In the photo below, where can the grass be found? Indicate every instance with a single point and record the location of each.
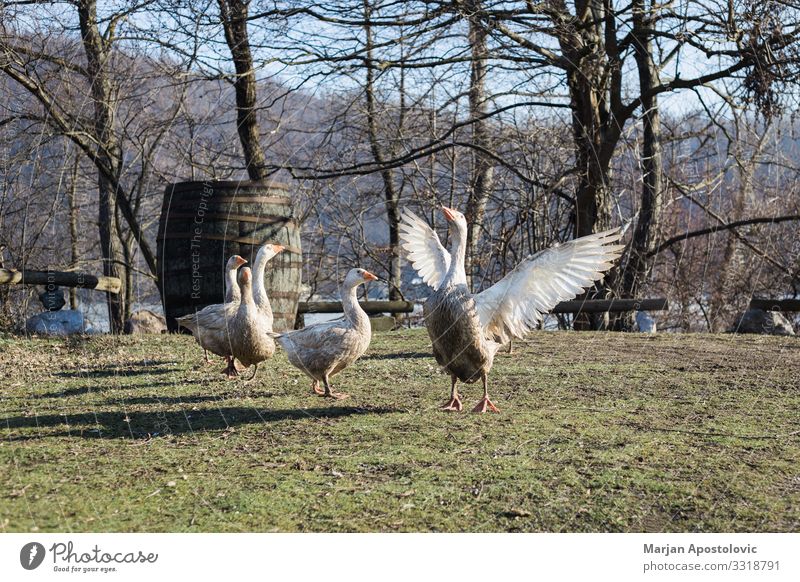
(598, 432)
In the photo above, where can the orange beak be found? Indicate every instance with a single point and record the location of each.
(239, 261)
(448, 213)
(245, 275)
(278, 248)
(369, 276)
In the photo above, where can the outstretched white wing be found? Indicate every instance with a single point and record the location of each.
(426, 253)
(514, 305)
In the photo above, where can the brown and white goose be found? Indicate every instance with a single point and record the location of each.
(210, 325)
(325, 349)
(207, 325)
(250, 329)
(466, 329)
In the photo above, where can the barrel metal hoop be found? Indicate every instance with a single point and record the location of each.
(240, 199)
(228, 185)
(222, 237)
(265, 219)
(294, 265)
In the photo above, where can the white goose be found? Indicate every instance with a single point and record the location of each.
(325, 349)
(467, 329)
(264, 255)
(232, 291)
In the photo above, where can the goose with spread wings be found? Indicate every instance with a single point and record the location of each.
(467, 329)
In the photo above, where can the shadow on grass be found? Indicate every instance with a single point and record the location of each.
(398, 356)
(122, 372)
(81, 390)
(192, 399)
(146, 424)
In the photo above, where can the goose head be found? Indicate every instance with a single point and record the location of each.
(356, 277)
(456, 219)
(246, 281)
(267, 251)
(235, 262)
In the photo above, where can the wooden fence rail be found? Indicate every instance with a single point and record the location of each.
(576, 306)
(612, 305)
(60, 278)
(370, 307)
(775, 304)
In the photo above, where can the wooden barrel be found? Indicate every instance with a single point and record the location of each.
(203, 223)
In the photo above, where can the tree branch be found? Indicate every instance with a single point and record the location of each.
(725, 226)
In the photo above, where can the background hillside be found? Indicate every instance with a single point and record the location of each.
(673, 130)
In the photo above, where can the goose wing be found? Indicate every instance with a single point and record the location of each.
(425, 251)
(514, 305)
(313, 336)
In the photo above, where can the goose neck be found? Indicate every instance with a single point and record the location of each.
(456, 275)
(258, 277)
(352, 310)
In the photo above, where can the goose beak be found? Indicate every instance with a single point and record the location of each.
(239, 261)
(278, 248)
(449, 213)
(369, 276)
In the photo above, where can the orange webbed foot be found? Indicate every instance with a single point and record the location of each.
(485, 405)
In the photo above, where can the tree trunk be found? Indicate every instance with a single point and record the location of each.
(102, 94)
(126, 245)
(482, 178)
(391, 195)
(648, 223)
(721, 309)
(111, 256)
(73, 230)
(233, 15)
(719, 304)
(593, 130)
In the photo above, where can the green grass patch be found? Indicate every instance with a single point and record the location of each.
(598, 432)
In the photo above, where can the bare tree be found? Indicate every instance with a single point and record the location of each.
(233, 15)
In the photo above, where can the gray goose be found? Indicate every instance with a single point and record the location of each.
(467, 329)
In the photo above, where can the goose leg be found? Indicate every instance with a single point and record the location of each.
(454, 405)
(485, 404)
(330, 393)
(230, 371)
(205, 353)
(316, 389)
(255, 370)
